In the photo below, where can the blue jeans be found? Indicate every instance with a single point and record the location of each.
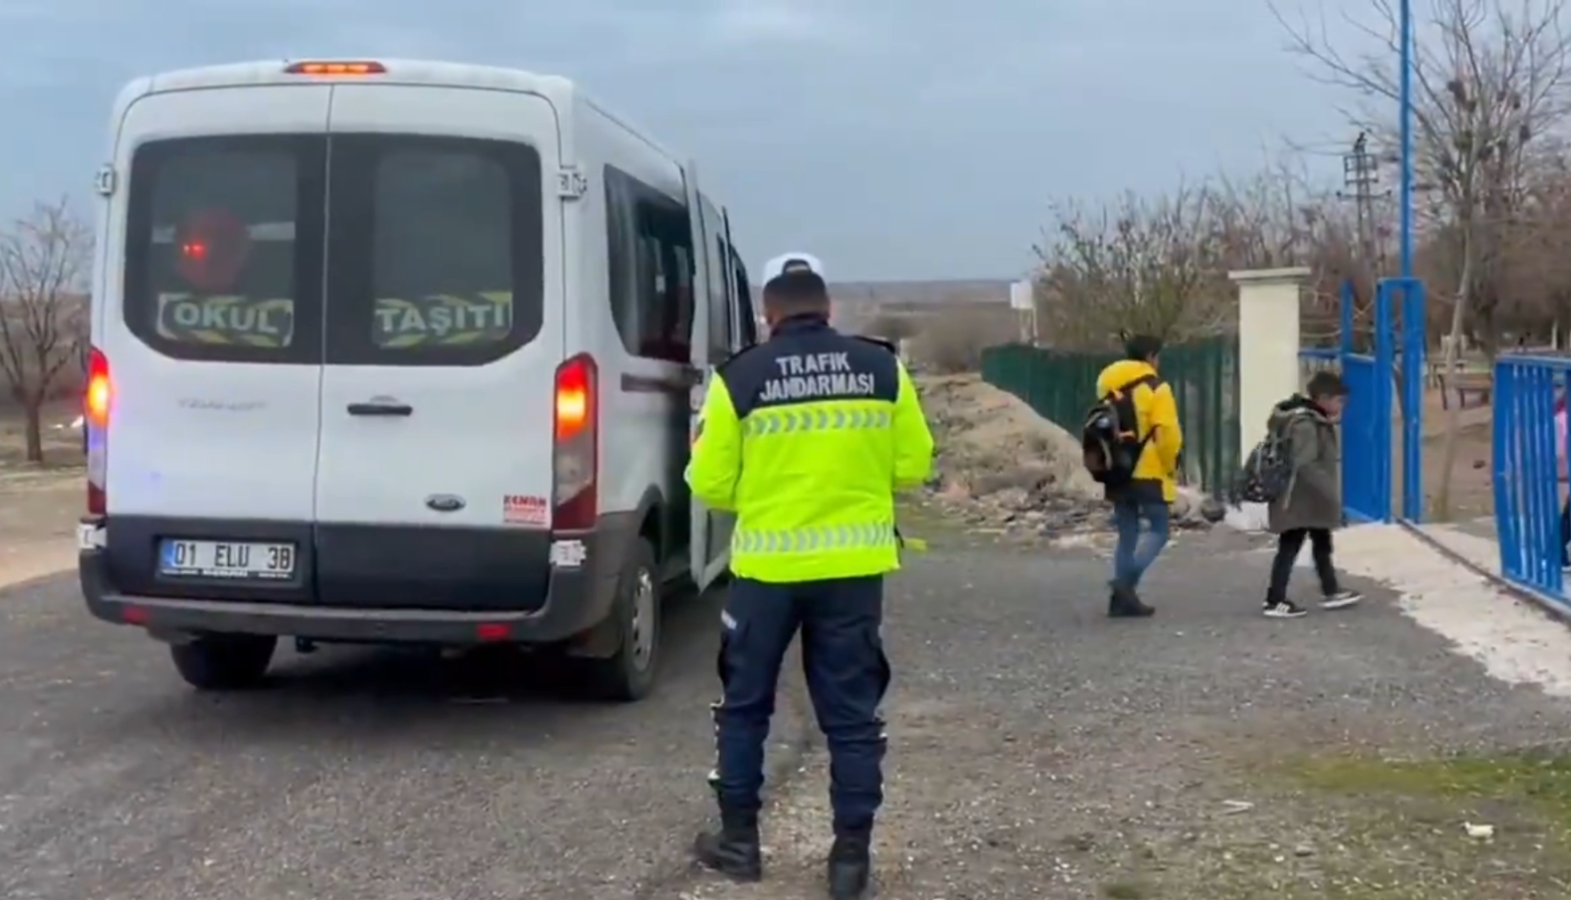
(1134, 556)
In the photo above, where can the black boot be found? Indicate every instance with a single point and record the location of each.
(732, 850)
(1124, 603)
(850, 864)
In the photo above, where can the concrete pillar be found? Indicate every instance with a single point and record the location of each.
(1267, 346)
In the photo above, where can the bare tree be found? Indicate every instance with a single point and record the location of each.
(45, 261)
(1489, 77)
(954, 338)
(892, 326)
(1150, 265)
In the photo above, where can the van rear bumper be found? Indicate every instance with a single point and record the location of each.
(578, 599)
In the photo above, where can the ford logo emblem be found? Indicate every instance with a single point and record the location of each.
(445, 502)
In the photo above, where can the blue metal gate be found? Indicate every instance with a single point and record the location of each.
(1366, 426)
(1366, 419)
(1415, 334)
(1526, 471)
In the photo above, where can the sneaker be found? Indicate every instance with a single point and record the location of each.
(1340, 600)
(1284, 609)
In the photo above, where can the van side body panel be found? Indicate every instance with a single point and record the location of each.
(641, 396)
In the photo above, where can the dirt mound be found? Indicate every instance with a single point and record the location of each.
(990, 440)
(1004, 467)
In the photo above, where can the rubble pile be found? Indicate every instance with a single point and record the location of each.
(1000, 466)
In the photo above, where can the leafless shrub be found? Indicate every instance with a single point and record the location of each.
(45, 261)
(892, 326)
(953, 340)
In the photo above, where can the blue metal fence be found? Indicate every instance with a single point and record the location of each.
(1526, 472)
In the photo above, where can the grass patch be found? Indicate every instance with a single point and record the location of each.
(1536, 779)
(1126, 890)
(1400, 831)
(1362, 827)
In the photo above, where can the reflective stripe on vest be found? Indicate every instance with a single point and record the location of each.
(814, 538)
(795, 420)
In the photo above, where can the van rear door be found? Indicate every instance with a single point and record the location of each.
(444, 327)
(213, 341)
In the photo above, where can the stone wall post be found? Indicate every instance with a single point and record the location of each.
(1268, 305)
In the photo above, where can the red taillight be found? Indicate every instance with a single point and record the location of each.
(575, 454)
(96, 403)
(574, 389)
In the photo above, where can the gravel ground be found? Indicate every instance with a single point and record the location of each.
(359, 774)
(1039, 750)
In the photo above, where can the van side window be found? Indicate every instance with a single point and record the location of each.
(223, 254)
(720, 301)
(650, 268)
(746, 317)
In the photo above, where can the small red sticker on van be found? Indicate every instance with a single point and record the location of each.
(519, 509)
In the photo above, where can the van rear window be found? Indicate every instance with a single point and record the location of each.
(445, 266)
(430, 249)
(223, 240)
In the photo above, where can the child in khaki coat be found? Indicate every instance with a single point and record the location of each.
(1312, 505)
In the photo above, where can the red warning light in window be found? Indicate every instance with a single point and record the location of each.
(213, 247)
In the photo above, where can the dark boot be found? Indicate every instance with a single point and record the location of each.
(850, 864)
(732, 850)
(1125, 604)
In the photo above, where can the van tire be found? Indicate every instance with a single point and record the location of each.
(628, 674)
(224, 662)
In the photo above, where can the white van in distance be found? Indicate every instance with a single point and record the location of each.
(398, 352)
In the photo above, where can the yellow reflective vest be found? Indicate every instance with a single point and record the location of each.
(806, 438)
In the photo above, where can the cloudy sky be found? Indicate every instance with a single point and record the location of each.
(909, 139)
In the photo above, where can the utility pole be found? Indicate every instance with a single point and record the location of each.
(1360, 175)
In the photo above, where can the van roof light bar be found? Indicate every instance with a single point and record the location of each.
(336, 68)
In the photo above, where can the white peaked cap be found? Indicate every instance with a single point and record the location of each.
(792, 262)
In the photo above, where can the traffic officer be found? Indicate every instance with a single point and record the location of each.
(806, 437)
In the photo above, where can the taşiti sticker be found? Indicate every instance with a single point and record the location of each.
(519, 509)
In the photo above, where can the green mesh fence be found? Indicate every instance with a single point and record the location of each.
(1060, 386)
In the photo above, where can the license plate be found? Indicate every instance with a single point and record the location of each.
(233, 560)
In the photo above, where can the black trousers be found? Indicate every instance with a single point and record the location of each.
(1288, 544)
(847, 675)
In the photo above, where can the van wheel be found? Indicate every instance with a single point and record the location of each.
(629, 673)
(224, 662)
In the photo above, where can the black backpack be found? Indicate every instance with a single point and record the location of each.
(1110, 439)
(1267, 474)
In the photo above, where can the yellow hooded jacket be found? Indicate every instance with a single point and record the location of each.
(1156, 471)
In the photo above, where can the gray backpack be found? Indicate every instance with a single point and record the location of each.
(1267, 473)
